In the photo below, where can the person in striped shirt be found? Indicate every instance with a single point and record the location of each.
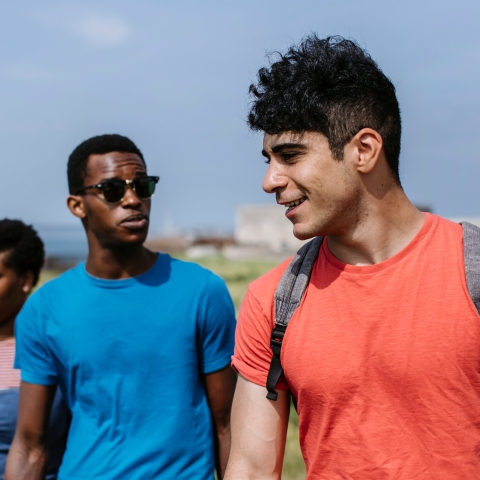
(21, 259)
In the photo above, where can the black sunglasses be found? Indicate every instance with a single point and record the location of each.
(114, 190)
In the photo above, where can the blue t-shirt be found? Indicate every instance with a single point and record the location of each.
(129, 356)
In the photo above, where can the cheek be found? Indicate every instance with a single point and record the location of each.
(10, 291)
(310, 179)
(100, 215)
(5, 286)
(341, 183)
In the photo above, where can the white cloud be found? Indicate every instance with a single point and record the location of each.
(103, 31)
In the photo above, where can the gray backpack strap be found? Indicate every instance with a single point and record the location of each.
(471, 252)
(288, 295)
(296, 277)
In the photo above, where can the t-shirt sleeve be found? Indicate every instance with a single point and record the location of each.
(32, 355)
(217, 328)
(253, 354)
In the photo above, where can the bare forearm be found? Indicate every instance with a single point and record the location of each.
(27, 458)
(25, 463)
(222, 450)
(220, 387)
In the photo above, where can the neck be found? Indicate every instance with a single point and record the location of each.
(115, 263)
(382, 227)
(6, 329)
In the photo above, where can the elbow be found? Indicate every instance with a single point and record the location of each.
(35, 443)
(31, 446)
(26, 460)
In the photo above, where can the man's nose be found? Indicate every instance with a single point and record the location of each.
(130, 198)
(274, 179)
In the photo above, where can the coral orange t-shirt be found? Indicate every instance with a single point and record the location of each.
(384, 361)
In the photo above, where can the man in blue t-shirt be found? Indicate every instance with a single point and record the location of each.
(139, 343)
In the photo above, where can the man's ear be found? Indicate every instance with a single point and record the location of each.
(27, 283)
(367, 145)
(76, 205)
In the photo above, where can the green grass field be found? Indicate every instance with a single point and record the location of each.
(238, 274)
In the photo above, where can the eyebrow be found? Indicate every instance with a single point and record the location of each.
(136, 175)
(284, 146)
(107, 179)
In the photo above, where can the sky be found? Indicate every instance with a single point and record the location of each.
(174, 77)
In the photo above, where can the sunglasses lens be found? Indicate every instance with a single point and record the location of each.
(113, 191)
(145, 187)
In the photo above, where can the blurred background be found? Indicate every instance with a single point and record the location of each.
(174, 77)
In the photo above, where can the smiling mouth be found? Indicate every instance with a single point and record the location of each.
(291, 205)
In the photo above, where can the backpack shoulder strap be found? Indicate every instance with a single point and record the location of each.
(471, 252)
(288, 295)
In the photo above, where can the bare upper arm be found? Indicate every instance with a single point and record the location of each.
(259, 428)
(34, 408)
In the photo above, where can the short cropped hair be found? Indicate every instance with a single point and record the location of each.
(331, 86)
(99, 145)
(26, 252)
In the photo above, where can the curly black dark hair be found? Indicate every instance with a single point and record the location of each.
(331, 86)
(26, 248)
(99, 145)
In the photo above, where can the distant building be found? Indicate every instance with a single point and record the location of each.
(265, 226)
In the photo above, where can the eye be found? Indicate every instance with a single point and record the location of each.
(287, 156)
(267, 161)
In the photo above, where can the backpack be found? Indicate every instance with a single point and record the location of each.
(292, 286)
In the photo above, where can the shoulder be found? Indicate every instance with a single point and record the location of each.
(445, 236)
(448, 226)
(44, 303)
(186, 266)
(259, 299)
(192, 272)
(53, 286)
(201, 282)
(61, 281)
(264, 287)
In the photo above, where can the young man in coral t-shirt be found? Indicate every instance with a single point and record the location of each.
(383, 353)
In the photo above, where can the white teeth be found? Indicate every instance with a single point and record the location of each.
(295, 203)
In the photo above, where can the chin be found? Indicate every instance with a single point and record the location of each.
(137, 240)
(134, 239)
(303, 233)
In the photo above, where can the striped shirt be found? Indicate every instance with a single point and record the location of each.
(9, 377)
